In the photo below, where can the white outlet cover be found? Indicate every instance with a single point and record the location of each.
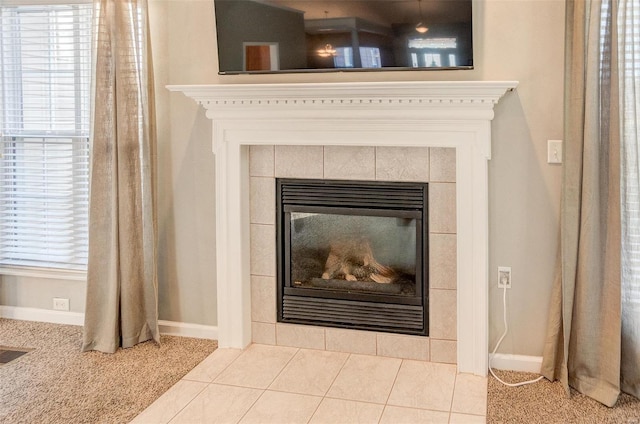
(502, 270)
(60, 304)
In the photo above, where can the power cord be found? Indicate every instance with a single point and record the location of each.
(506, 328)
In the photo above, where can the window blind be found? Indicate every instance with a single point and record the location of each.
(45, 79)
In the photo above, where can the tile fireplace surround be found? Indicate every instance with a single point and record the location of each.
(313, 123)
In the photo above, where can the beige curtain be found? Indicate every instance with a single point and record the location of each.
(121, 307)
(584, 339)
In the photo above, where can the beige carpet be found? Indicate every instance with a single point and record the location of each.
(56, 383)
(546, 403)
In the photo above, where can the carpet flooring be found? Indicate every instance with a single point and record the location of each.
(56, 383)
(546, 403)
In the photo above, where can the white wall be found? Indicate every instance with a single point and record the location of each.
(513, 40)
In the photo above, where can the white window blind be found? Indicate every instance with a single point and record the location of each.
(45, 79)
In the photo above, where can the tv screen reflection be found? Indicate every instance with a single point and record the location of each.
(268, 36)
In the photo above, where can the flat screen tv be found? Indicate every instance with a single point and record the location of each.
(270, 36)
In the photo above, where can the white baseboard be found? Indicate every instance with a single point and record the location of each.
(171, 328)
(185, 329)
(504, 361)
(42, 315)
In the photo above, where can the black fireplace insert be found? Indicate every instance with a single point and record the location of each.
(353, 254)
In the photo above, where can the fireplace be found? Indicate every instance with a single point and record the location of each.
(304, 117)
(353, 254)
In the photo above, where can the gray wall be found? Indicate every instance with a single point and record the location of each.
(247, 21)
(513, 40)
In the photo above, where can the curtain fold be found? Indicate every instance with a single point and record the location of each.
(121, 307)
(585, 338)
(584, 324)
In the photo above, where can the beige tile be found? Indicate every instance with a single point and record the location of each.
(351, 341)
(444, 351)
(350, 162)
(365, 378)
(218, 404)
(170, 403)
(443, 308)
(443, 164)
(299, 161)
(397, 414)
(263, 250)
(306, 336)
(263, 333)
(338, 411)
(404, 347)
(263, 298)
(262, 201)
(470, 395)
(261, 161)
(443, 261)
(402, 164)
(280, 408)
(213, 365)
(442, 208)
(424, 385)
(467, 419)
(310, 372)
(257, 366)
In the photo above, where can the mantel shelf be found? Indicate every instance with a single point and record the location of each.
(478, 95)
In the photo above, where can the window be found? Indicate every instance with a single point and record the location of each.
(628, 38)
(343, 57)
(432, 59)
(369, 57)
(433, 52)
(45, 78)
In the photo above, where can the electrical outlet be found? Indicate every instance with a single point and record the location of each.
(60, 304)
(504, 277)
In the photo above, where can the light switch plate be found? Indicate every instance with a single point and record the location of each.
(554, 151)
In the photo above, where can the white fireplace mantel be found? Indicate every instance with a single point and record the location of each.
(430, 114)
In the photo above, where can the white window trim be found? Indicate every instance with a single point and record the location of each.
(9, 3)
(48, 273)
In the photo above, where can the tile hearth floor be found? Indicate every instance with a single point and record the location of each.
(273, 384)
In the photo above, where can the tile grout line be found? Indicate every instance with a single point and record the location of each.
(207, 384)
(252, 405)
(188, 403)
(267, 388)
(285, 365)
(395, 379)
(429, 177)
(375, 163)
(274, 161)
(330, 385)
(337, 374)
(453, 393)
(218, 374)
(386, 403)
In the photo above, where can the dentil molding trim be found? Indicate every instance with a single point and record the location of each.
(399, 96)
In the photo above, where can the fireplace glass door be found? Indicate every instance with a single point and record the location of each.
(353, 254)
